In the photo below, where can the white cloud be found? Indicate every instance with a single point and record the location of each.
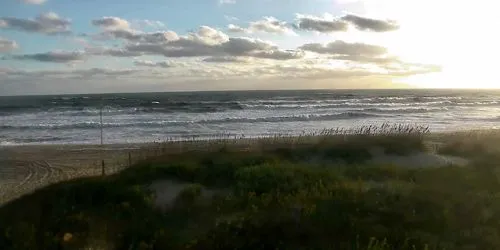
(232, 28)
(231, 18)
(206, 41)
(149, 23)
(162, 64)
(47, 23)
(227, 1)
(271, 25)
(110, 22)
(7, 45)
(33, 1)
(266, 25)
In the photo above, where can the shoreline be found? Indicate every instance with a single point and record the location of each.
(140, 145)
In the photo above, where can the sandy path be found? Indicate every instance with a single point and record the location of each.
(27, 168)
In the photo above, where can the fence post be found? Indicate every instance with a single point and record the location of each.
(103, 168)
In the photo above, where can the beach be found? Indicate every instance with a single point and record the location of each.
(24, 169)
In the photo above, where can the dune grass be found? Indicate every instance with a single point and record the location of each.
(309, 192)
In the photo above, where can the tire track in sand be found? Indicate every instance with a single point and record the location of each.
(19, 178)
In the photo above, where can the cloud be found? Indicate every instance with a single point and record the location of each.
(33, 1)
(137, 36)
(227, 1)
(243, 46)
(47, 23)
(266, 25)
(226, 59)
(104, 51)
(329, 24)
(209, 42)
(369, 24)
(231, 18)
(149, 23)
(270, 25)
(69, 74)
(345, 49)
(110, 22)
(163, 64)
(237, 29)
(208, 76)
(279, 54)
(326, 24)
(210, 35)
(375, 57)
(54, 57)
(7, 45)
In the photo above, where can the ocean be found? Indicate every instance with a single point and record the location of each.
(148, 117)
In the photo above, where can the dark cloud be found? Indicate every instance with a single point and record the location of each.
(47, 23)
(370, 24)
(225, 59)
(79, 73)
(7, 45)
(243, 46)
(104, 51)
(55, 57)
(347, 49)
(136, 36)
(279, 54)
(320, 24)
(329, 24)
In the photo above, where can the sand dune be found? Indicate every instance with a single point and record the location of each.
(24, 169)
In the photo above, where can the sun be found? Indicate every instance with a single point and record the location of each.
(451, 34)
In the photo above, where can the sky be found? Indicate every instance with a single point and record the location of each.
(97, 46)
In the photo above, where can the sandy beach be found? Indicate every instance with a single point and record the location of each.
(24, 169)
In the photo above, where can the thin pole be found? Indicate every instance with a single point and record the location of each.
(103, 171)
(100, 115)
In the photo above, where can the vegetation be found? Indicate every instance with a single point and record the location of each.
(315, 192)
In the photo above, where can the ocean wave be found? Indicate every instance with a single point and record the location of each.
(38, 140)
(117, 106)
(163, 123)
(403, 110)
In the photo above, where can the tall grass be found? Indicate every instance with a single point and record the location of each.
(280, 192)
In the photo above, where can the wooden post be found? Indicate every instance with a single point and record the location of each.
(103, 168)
